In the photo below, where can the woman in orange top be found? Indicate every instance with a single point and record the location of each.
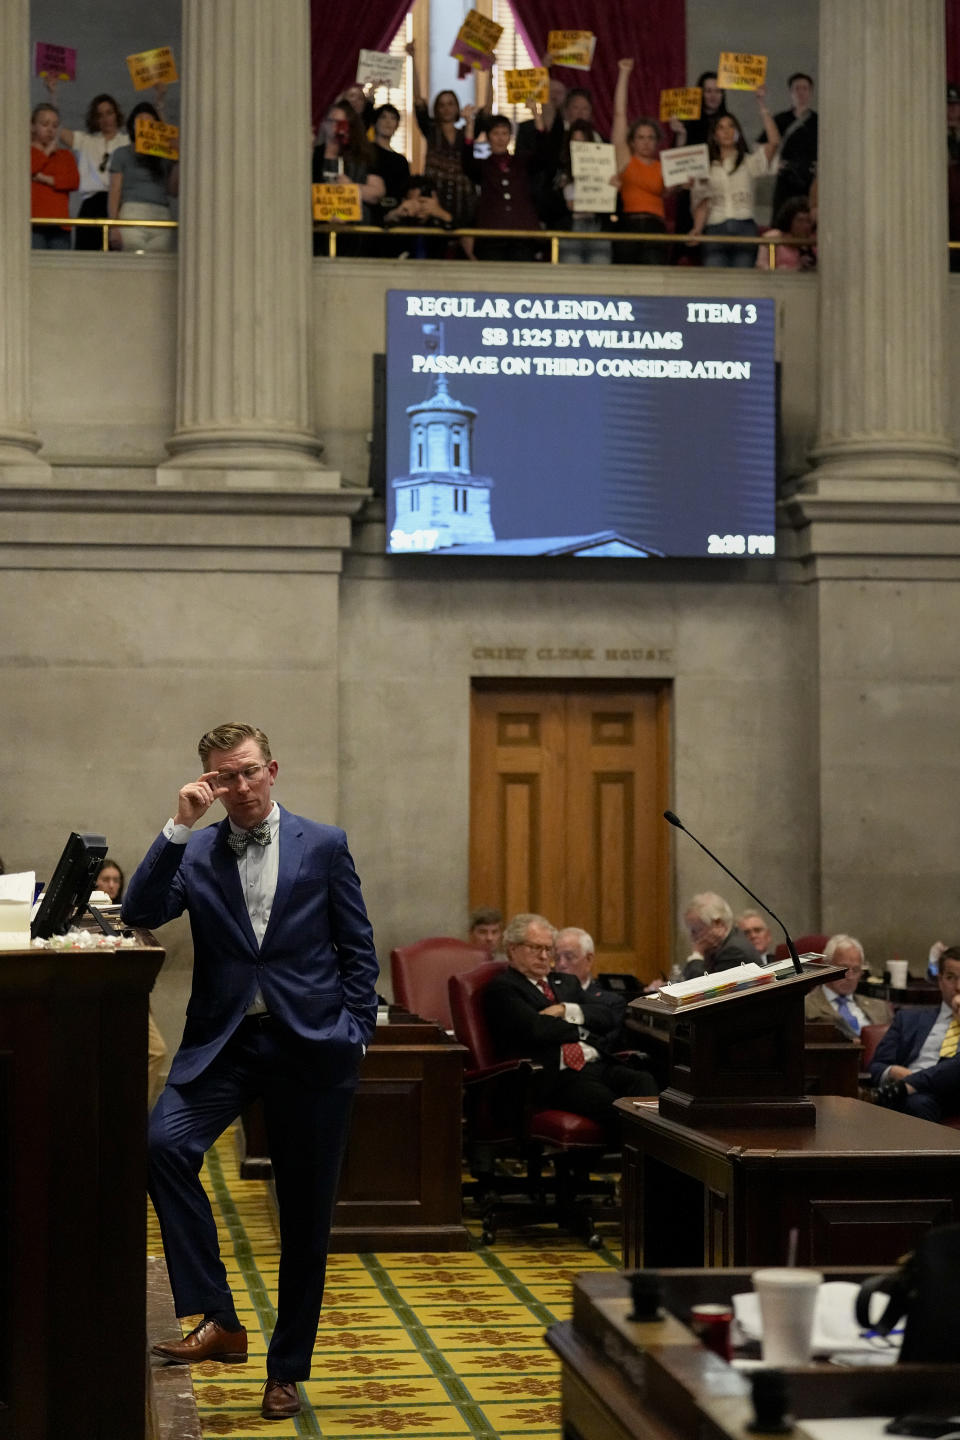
(640, 177)
(53, 174)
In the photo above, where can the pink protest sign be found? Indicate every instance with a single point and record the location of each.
(58, 62)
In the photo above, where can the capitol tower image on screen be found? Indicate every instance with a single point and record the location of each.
(441, 493)
(608, 427)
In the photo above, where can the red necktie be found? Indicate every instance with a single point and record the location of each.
(573, 1056)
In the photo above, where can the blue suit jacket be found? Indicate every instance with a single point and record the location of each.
(904, 1040)
(317, 968)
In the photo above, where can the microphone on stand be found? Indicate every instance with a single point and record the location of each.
(675, 820)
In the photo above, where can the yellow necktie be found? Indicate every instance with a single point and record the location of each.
(950, 1040)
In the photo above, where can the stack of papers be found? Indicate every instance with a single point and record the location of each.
(16, 903)
(723, 982)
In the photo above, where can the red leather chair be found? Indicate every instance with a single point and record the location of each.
(500, 1119)
(420, 973)
(870, 1037)
(804, 944)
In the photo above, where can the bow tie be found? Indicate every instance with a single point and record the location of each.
(238, 840)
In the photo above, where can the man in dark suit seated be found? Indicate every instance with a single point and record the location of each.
(916, 1067)
(537, 1013)
(838, 1002)
(574, 956)
(717, 942)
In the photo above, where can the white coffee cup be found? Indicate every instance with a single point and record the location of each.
(899, 973)
(788, 1298)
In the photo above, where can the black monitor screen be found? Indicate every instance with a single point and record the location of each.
(68, 893)
(525, 424)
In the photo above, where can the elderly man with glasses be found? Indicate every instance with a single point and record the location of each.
(545, 1016)
(717, 942)
(838, 1001)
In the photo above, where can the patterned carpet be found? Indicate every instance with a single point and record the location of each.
(444, 1345)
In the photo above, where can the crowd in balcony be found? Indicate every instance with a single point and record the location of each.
(480, 172)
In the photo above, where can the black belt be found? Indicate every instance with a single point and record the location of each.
(261, 1019)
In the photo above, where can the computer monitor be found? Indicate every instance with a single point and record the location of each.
(68, 892)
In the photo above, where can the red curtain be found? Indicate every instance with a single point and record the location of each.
(953, 41)
(653, 32)
(338, 32)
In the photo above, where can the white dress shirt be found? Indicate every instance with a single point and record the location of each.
(258, 866)
(860, 1014)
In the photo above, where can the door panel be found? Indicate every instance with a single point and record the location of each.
(568, 786)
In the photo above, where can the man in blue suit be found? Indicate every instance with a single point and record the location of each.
(916, 1066)
(282, 1006)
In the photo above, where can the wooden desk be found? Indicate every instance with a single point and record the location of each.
(915, 992)
(831, 1061)
(859, 1187)
(626, 1381)
(73, 1176)
(401, 1183)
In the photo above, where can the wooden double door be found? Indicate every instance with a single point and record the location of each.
(567, 791)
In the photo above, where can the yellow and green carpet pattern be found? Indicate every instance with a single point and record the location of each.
(445, 1345)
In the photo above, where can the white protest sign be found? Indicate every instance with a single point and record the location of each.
(377, 68)
(593, 165)
(687, 162)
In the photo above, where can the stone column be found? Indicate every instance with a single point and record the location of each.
(884, 367)
(243, 415)
(18, 442)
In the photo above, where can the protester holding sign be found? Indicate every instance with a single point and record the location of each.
(640, 176)
(564, 213)
(723, 205)
(506, 196)
(343, 152)
(140, 189)
(53, 175)
(697, 132)
(446, 152)
(93, 148)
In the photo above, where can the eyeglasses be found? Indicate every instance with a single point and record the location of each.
(854, 969)
(249, 773)
(568, 954)
(537, 949)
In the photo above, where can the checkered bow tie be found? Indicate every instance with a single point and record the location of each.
(238, 840)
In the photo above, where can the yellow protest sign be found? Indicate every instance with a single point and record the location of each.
(682, 104)
(573, 48)
(527, 87)
(152, 67)
(476, 40)
(155, 138)
(741, 72)
(336, 203)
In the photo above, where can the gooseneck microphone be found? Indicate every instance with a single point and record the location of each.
(675, 820)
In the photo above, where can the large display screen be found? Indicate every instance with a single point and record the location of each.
(528, 424)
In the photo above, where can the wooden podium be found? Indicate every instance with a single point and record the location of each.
(73, 1215)
(738, 1059)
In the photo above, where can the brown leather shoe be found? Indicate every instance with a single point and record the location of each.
(280, 1399)
(207, 1341)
